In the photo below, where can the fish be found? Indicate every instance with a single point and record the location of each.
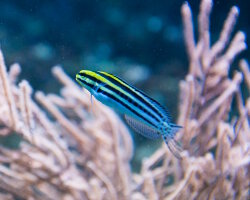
(142, 113)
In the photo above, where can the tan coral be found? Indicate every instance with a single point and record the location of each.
(217, 157)
(44, 167)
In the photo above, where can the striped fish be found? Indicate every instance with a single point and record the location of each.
(142, 113)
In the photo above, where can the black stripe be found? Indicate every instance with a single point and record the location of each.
(127, 89)
(117, 100)
(122, 96)
(86, 83)
(126, 106)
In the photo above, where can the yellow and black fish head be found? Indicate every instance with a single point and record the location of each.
(85, 79)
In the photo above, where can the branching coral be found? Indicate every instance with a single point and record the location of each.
(72, 149)
(216, 163)
(208, 88)
(74, 156)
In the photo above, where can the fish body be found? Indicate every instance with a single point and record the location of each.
(142, 113)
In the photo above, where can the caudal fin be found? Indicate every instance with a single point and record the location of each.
(174, 129)
(172, 144)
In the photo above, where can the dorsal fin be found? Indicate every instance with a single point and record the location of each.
(162, 109)
(142, 128)
(158, 106)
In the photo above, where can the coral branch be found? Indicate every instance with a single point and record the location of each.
(8, 94)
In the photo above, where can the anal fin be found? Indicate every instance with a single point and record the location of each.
(142, 128)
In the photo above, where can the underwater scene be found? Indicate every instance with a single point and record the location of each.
(124, 100)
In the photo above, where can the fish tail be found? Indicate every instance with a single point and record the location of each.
(174, 129)
(172, 144)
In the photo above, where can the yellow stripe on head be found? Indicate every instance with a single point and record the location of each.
(117, 79)
(107, 82)
(82, 71)
(104, 80)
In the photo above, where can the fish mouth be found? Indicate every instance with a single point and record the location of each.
(78, 78)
